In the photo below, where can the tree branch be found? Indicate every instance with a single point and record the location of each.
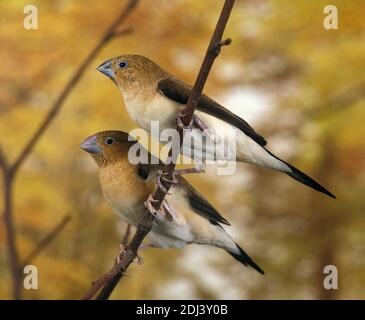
(110, 286)
(56, 106)
(52, 234)
(3, 160)
(11, 170)
(144, 227)
(10, 231)
(120, 33)
(340, 101)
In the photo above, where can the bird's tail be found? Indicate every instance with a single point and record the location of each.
(302, 177)
(244, 258)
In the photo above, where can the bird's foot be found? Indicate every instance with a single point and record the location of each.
(143, 246)
(169, 211)
(210, 133)
(149, 205)
(162, 176)
(122, 249)
(199, 168)
(199, 123)
(146, 246)
(181, 124)
(139, 258)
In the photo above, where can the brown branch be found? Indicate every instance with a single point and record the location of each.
(11, 170)
(3, 160)
(110, 286)
(127, 257)
(10, 231)
(56, 106)
(127, 234)
(52, 234)
(158, 195)
(340, 101)
(120, 33)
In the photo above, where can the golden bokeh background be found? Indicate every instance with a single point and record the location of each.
(298, 84)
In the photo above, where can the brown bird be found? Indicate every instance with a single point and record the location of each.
(185, 217)
(151, 93)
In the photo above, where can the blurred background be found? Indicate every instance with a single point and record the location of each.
(298, 84)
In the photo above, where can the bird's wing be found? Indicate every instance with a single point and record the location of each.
(199, 204)
(179, 92)
(148, 171)
(196, 201)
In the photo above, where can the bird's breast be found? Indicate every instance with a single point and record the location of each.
(124, 191)
(155, 107)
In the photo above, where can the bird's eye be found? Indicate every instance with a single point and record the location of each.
(109, 141)
(123, 64)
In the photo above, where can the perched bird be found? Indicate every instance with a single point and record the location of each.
(151, 93)
(185, 216)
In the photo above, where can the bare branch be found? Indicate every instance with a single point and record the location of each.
(10, 239)
(127, 234)
(158, 195)
(120, 33)
(340, 101)
(127, 258)
(52, 234)
(56, 106)
(110, 286)
(3, 160)
(11, 170)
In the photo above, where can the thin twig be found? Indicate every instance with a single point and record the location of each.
(158, 195)
(55, 108)
(52, 234)
(3, 160)
(127, 257)
(10, 231)
(11, 170)
(122, 32)
(110, 286)
(340, 101)
(127, 234)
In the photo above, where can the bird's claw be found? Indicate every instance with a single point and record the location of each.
(196, 169)
(148, 204)
(121, 252)
(139, 259)
(162, 187)
(162, 176)
(180, 123)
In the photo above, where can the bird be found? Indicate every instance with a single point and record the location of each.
(152, 94)
(185, 216)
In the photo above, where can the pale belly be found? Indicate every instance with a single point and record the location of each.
(225, 142)
(159, 113)
(158, 118)
(164, 234)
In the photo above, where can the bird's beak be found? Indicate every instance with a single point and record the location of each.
(106, 68)
(90, 145)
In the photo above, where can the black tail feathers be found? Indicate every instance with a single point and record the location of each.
(303, 178)
(244, 258)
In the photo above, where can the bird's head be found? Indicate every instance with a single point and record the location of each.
(108, 147)
(132, 72)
